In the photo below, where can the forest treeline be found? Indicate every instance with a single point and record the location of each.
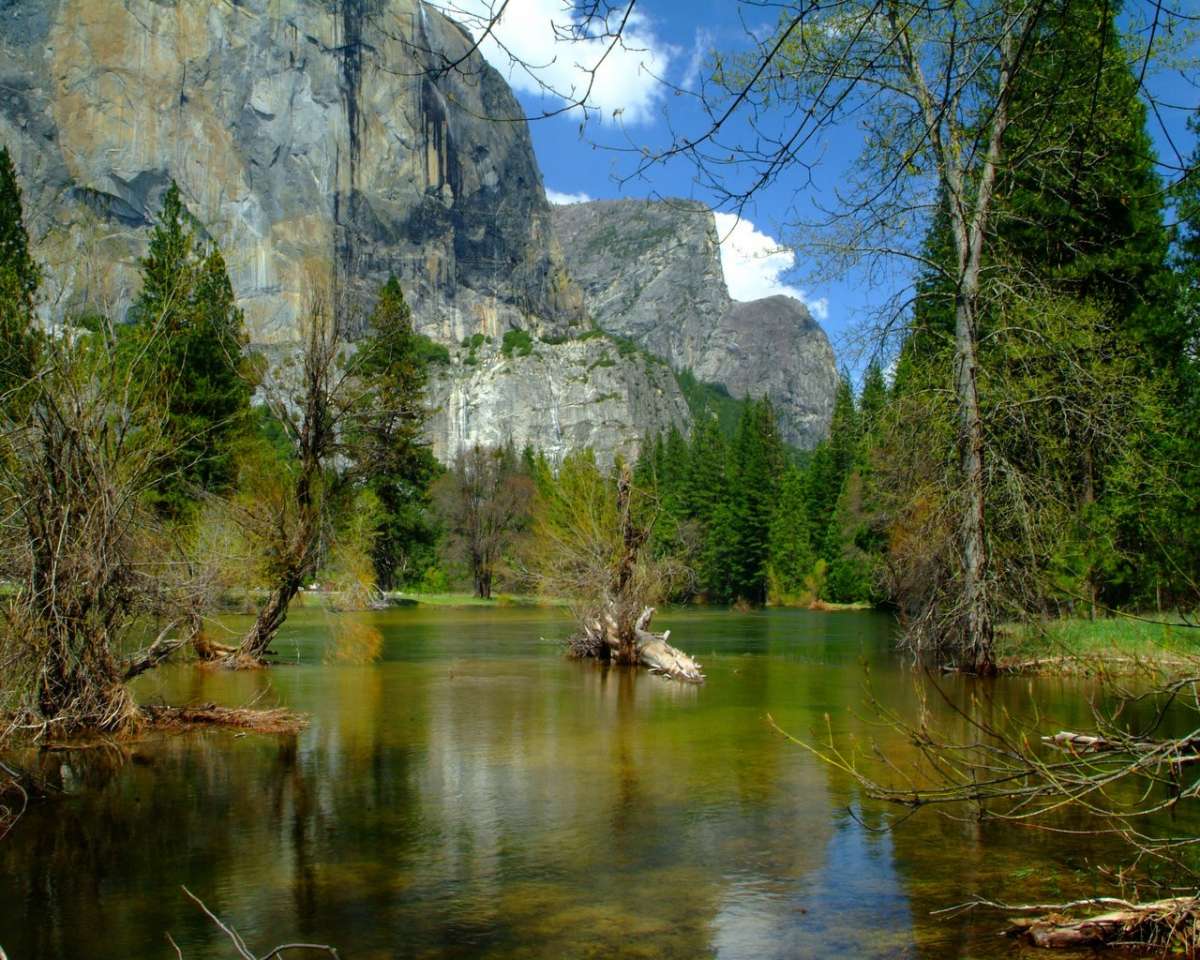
(154, 465)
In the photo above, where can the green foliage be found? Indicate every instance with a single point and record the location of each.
(431, 351)
(19, 279)
(1085, 216)
(186, 346)
(710, 401)
(791, 548)
(390, 455)
(516, 342)
(473, 343)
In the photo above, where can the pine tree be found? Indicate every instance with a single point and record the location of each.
(1080, 207)
(188, 341)
(756, 464)
(705, 485)
(19, 279)
(387, 443)
(871, 402)
(791, 555)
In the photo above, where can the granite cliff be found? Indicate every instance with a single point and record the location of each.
(304, 133)
(651, 271)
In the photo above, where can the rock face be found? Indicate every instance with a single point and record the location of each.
(651, 271)
(305, 135)
(301, 132)
(557, 397)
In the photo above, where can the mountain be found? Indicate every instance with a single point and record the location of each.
(651, 271)
(302, 134)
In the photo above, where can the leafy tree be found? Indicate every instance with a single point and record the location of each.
(484, 500)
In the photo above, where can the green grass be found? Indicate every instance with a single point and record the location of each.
(1107, 637)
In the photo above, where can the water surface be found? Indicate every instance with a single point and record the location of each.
(464, 791)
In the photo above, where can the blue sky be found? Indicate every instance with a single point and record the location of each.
(670, 40)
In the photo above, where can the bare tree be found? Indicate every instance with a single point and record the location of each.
(332, 398)
(590, 534)
(311, 412)
(484, 501)
(79, 454)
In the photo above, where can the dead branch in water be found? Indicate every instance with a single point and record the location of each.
(1173, 922)
(279, 720)
(650, 650)
(240, 945)
(10, 784)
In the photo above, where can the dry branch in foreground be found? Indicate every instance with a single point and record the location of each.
(243, 951)
(1173, 922)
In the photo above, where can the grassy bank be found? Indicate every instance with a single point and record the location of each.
(1115, 639)
(470, 600)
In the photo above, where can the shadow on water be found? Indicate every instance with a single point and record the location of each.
(463, 790)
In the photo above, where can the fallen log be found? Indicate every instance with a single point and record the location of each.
(601, 638)
(1174, 923)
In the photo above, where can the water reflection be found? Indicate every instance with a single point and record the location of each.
(464, 791)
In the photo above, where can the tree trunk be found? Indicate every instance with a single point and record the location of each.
(604, 637)
(254, 648)
(976, 624)
(84, 689)
(1165, 924)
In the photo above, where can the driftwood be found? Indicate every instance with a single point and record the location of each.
(278, 720)
(602, 638)
(1172, 922)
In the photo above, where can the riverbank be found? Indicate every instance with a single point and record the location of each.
(402, 598)
(1157, 642)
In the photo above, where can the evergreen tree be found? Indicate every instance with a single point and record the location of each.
(1080, 207)
(19, 279)
(706, 504)
(188, 343)
(871, 401)
(828, 469)
(705, 485)
(792, 555)
(756, 464)
(387, 443)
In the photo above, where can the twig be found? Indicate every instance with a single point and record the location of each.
(240, 944)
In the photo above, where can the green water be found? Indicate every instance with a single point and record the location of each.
(464, 791)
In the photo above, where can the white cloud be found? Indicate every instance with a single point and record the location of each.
(561, 199)
(539, 40)
(754, 262)
(701, 46)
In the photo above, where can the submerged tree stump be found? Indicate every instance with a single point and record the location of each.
(603, 639)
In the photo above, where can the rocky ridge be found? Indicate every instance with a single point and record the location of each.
(651, 271)
(305, 134)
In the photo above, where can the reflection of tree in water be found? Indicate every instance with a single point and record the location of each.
(945, 857)
(104, 864)
(624, 727)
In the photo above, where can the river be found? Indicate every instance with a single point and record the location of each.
(464, 791)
